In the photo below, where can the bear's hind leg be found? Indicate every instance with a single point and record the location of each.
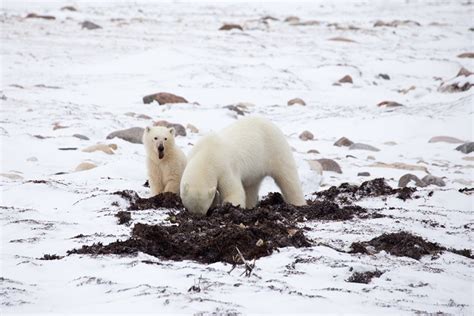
(232, 191)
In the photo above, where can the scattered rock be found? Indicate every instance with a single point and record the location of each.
(445, 139)
(269, 17)
(132, 135)
(80, 136)
(85, 166)
(192, 128)
(228, 27)
(90, 25)
(361, 146)
(396, 23)
(58, 125)
(343, 142)
(390, 143)
(3, 97)
(384, 76)
(399, 165)
(370, 158)
(467, 191)
(306, 135)
(407, 178)
(429, 180)
(345, 79)
(400, 244)
(240, 109)
(296, 101)
(51, 257)
(67, 148)
(108, 149)
(363, 174)
(364, 277)
(144, 117)
(405, 91)
(131, 114)
(11, 176)
(462, 82)
(32, 159)
(178, 128)
(466, 55)
(464, 72)
(164, 98)
(313, 151)
(466, 148)
(37, 16)
(316, 166)
(329, 165)
(341, 39)
(68, 8)
(292, 19)
(389, 104)
(469, 158)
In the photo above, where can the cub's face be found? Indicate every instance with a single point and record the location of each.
(158, 140)
(197, 200)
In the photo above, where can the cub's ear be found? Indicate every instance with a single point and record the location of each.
(172, 131)
(212, 192)
(147, 129)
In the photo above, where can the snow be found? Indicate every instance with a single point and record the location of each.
(94, 77)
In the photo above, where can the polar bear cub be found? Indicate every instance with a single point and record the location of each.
(235, 161)
(165, 160)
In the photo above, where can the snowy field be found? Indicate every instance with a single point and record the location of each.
(59, 79)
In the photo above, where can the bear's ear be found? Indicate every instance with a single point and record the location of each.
(147, 129)
(212, 192)
(172, 131)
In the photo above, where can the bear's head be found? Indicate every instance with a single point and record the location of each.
(158, 140)
(197, 199)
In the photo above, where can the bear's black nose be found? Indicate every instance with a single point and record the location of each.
(161, 148)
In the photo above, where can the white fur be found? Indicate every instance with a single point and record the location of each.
(235, 161)
(164, 174)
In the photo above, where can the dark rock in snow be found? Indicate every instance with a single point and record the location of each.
(132, 135)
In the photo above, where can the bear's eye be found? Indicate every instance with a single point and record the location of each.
(166, 138)
(156, 138)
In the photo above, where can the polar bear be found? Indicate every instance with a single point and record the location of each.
(165, 160)
(235, 161)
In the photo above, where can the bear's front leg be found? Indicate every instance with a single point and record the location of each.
(232, 191)
(155, 186)
(172, 186)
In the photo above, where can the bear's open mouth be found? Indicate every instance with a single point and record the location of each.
(161, 153)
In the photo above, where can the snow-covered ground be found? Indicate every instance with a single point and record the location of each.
(89, 81)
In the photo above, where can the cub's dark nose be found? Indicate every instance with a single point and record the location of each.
(161, 148)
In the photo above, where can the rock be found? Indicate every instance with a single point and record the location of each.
(390, 143)
(464, 72)
(58, 125)
(240, 110)
(178, 128)
(131, 114)
(11, 176)
(306, 135)
(164, 98)
(192, 128)
(370, 158)
(396, 23)
(389, 104)
(363, 174)
(405, 91)
(469, 158)
(3, 97)
(90, 25)
(313, 151)
(399, 165)
(341, 39)
(466, 148)
(85, 166)
(316, 166)
(329, 165)
(462, 82)
(37, 16)
(67, 148)
(144, 117)
(108, 149)
(343, 142)
(32, 159)
(269, 17)
(132, 135)
(466, 55)
(430, 179)
(296, 101)
(384, 76)
(68, 8)
(228, 27)
(407, 178)
(292, 19)
(80, 136)
(361, 146)
(345, 79)
(350, 156)
(445, 139)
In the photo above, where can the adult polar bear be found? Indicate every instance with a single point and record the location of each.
(235, 161)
